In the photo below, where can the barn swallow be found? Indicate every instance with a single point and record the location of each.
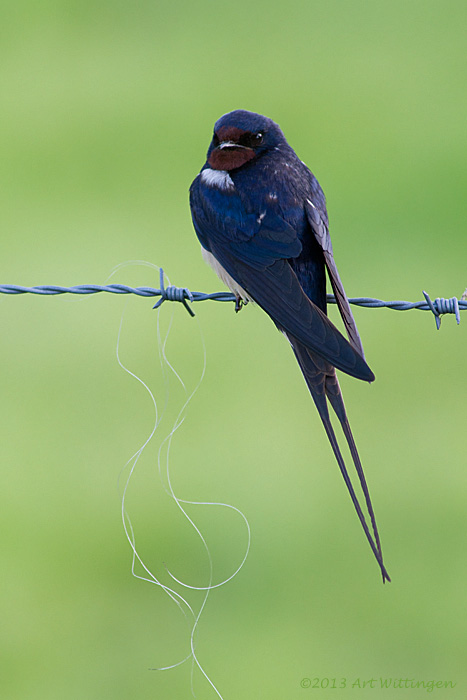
(260, 216)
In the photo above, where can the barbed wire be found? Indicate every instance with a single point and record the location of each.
(438, 306)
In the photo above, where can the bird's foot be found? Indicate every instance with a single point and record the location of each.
(239, 303)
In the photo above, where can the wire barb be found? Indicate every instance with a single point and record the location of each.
(173, 294)
(443, 306)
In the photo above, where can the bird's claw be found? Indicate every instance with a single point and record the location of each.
(239, 303)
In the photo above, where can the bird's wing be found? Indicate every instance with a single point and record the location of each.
(256, 238)
(317, 218)
(254, 251)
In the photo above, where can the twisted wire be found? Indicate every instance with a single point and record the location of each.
(438, 306)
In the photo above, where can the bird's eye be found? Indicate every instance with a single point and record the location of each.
(215, 140)
(251, 139)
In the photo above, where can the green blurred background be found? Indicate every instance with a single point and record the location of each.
(106, 114)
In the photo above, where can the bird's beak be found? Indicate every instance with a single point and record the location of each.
(230, 144)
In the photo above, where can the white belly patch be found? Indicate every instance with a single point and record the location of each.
(223, 275)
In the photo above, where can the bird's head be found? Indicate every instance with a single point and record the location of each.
(241, 136)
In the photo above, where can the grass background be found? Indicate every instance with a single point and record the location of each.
(107, 111)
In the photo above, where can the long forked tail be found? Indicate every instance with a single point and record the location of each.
(323, 384)
(334, 395)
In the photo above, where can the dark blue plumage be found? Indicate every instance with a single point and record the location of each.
(260, 216)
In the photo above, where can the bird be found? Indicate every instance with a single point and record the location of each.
(261, 219)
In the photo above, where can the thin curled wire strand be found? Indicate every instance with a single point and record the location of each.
(192, 615)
